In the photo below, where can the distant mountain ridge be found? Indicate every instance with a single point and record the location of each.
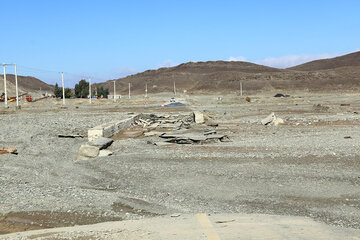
(341, 72)
(224, 76)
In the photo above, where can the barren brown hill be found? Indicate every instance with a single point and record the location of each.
(26, 84)
(221, 76)
(193, 76)
(348, 60)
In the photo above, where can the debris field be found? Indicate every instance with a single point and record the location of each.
(212, 156)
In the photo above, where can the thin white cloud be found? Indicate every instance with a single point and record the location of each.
(235, 59)
(292, 60)
(167, 63)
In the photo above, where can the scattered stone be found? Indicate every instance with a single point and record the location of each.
(320, 108)
(272, 120)
(8, 150)
(212, 124)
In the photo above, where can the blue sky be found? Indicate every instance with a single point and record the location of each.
(109, 39)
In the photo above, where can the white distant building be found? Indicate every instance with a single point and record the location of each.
(111, 96)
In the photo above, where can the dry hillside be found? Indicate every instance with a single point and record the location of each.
(222, 76)
(348, 60)
(26, 84)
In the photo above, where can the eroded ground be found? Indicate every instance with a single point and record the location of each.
(307, 167)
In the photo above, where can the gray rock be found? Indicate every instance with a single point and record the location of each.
(272, 120)
(105, 153)
(86, 151)
(101, 142)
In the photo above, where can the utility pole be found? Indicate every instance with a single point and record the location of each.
(16, 87)
(146, 90)
(241, 90)
(90, 90)
(174, 88)
(63, 88)
(6, 103)
(114, 92)
(129, 91)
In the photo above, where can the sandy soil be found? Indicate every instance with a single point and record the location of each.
(307, 167)
(199, 226)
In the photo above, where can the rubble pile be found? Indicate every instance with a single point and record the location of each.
(165, 121)
(165, 128)
(180, 127)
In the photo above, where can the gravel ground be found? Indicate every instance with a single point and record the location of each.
(303, 168)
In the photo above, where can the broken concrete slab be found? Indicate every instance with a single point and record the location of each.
(101, 142)
(86, 152)
(268, 119)
(153, 133)
(272, 120)
(277, 121)
(198, 117)
(105, 153)
(152, 121)
(209, 132)
(190, 138)
(81, 158)
(109, 129)
(70, 135)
